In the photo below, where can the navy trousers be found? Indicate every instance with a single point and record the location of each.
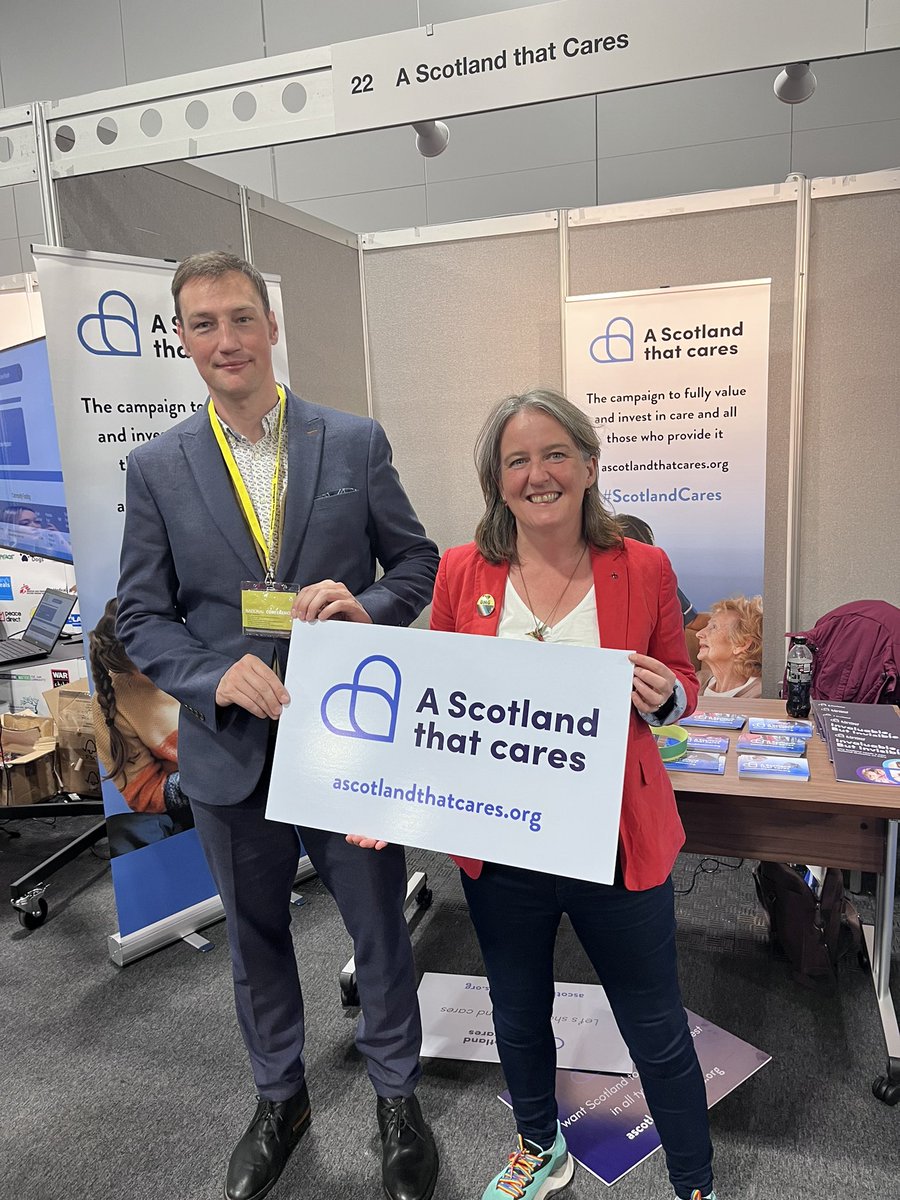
(253, 863)
(629, 938)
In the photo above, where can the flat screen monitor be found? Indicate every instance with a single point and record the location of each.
(33, 514)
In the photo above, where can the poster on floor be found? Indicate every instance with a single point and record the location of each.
(605, 1119)
(120, 378)
(675, 381)
(457, 1022)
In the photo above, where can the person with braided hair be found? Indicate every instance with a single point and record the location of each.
(136, 729)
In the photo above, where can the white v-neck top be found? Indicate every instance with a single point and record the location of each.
(577, 628)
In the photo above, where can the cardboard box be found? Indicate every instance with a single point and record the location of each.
(27, 772)
(76, 745)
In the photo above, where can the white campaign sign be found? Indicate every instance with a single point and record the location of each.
(576, 47)
(457, 1022)
(474, 746)
(676, 382)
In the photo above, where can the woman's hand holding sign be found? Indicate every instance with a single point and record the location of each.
(366, 843)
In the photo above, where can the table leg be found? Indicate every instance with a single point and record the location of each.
(879, 942)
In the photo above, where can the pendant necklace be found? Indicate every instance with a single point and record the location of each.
(541, 628)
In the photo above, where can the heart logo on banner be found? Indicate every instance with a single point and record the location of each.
(113, 328)
(365, 709)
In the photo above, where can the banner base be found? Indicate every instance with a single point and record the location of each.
(125, 950)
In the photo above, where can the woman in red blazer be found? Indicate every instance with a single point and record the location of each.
(549, 564)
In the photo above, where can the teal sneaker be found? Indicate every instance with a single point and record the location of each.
(533, 1173)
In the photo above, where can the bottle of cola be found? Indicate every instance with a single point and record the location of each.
(799, 677)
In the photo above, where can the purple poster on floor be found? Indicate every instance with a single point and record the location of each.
(605, 1119)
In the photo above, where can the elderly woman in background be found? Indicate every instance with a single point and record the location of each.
(730, 649)
(549, 564)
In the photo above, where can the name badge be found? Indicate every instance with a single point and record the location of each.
(266, 608)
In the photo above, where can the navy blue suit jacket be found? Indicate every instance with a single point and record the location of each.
(186, 548)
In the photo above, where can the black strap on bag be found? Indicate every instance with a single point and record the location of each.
(814, 931)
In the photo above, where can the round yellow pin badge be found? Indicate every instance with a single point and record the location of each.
(486, 604)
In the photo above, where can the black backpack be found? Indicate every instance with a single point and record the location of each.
(814, 931)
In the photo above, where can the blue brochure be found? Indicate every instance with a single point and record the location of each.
(772, 743)
(708, 742)
(771, 766)
(703, 764)
(780, 725)
(715, 720)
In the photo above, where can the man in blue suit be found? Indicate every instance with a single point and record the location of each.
(258, 487)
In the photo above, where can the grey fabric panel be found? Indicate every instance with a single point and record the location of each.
(147, 213)
(322, 310)
(851, 438)
(454, 327)
(714, 247)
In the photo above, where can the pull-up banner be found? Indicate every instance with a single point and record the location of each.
(120, 378)
(577, 47)
(676, 382)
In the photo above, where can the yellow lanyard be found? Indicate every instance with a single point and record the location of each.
(266, 546)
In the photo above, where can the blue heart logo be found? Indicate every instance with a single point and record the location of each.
(113, 328)
(367, 707)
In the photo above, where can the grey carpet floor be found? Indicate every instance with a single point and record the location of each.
(133, 1083)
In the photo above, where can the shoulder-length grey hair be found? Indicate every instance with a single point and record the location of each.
(495, 536)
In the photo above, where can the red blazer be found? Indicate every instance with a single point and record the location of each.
(637, 609)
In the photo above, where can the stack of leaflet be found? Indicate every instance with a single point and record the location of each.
(700, 762)
(706, 752)
(863, 741)
(777, 748)
(714, 720)
(708, 743)
(772, 743)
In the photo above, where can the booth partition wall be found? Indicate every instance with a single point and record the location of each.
(426, 327)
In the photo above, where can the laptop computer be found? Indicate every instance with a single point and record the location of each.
(42, 632)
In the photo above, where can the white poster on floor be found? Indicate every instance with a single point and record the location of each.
(457, 1022)
(676, 382)
(475, 746)
(121, 378)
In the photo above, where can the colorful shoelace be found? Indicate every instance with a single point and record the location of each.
(520, 1172)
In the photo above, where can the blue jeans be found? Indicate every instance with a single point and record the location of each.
(629, 938)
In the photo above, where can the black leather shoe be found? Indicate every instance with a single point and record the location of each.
(409, 1159)
(260, 1155)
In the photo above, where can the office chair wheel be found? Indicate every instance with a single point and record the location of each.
(886, 1091)
(33, 920)
(424, 897)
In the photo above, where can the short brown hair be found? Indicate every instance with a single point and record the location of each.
(747, 628)
(495, 536)
(213, 265)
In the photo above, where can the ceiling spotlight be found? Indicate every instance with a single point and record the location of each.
(431, 138)
(795, 83)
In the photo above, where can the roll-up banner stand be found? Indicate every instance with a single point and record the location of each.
(675, 381)
(120, 378)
